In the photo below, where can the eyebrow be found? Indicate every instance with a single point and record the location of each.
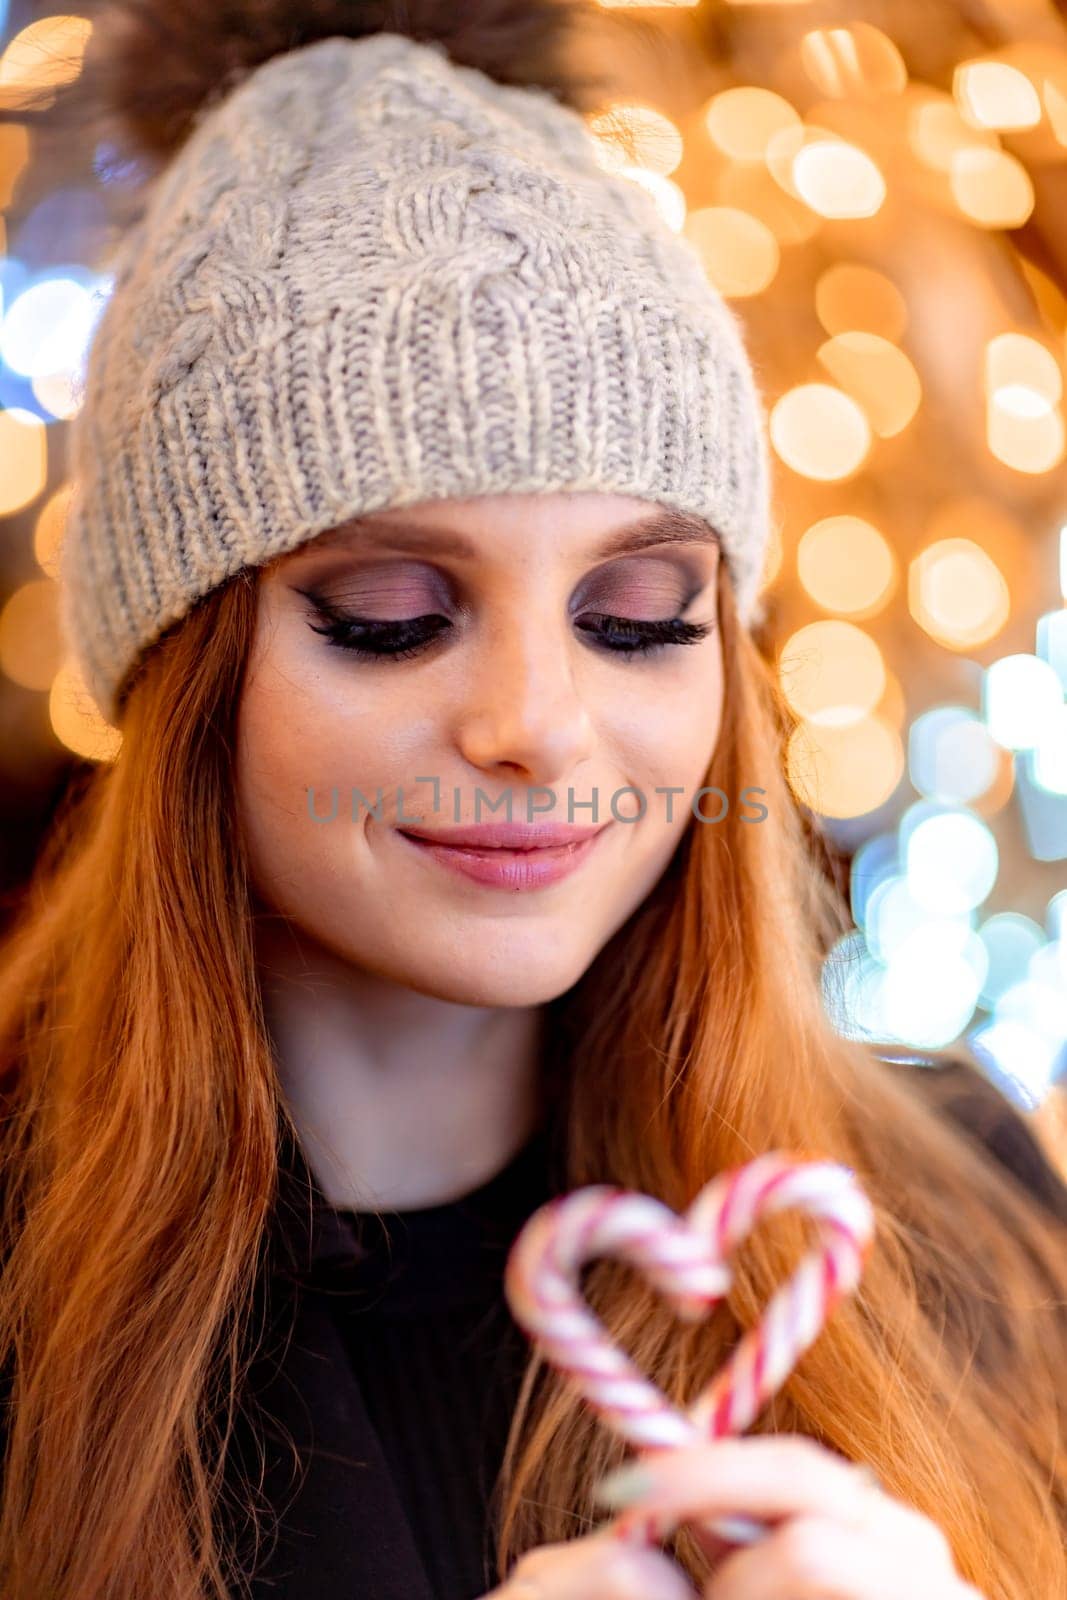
(666, 526)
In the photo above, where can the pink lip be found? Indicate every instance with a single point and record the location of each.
(508, 835)
(507, 855)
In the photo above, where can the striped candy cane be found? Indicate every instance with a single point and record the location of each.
(686, 1257)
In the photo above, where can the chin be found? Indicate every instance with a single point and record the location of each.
(487, 978)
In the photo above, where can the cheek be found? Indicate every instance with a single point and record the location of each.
(309, 733)
(666, 734)
(295, 734)
(274, 751)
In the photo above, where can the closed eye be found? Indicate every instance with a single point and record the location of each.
(372, 640)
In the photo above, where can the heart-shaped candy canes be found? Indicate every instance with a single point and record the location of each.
(685, 1256)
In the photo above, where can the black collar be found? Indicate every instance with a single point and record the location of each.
(308, 1229)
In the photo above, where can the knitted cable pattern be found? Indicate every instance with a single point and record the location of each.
(373, 277)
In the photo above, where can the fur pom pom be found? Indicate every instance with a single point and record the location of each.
(152, 65)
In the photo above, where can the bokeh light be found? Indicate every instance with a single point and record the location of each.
(48, 531)
(820, 431)
(850, 298)
(1052, 642)
(1048, 765)
(1021, 701)
(951, 859)
(844, 771)
(846, 565)
(23, 459)
(640, 136)
(832, 673)
(951, 756)
(991, 187)
(31, 650)
(1029, 443)
(958, 594)
(939, 133)
(877, 375)
(993, 94)
(1010, 940)
(855, 60)
(743, 121)
(740, 253)
(75, 720)
(1022, 376)
(40, 58)
(837, 179)
(47, 327)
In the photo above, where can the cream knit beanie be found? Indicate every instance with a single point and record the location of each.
(371, 277)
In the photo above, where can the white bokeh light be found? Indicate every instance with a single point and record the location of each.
(951, 756)
(1021, 697)
(931, 987)
(1010, 941)
(951, 862)
(47, 327)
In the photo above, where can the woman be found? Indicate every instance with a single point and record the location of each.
(421, 477)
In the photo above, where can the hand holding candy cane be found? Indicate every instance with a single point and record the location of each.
(835, 1535)
(841, 1534)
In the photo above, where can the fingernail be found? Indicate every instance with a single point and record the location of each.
(624, 1485)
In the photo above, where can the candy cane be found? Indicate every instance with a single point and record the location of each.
(684, 1256)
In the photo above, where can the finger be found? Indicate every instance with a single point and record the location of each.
(765, 1477)
(595, 1565)
(711, 1545)
(816, 1558)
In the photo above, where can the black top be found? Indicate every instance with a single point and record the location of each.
(438, 1355)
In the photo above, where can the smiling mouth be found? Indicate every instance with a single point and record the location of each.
(500, 851)
(512, 867)
(511, 836)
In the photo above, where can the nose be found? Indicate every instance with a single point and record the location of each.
(524, 714)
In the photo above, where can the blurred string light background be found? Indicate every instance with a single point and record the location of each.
(881, 192)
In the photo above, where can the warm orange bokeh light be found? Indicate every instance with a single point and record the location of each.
(740, 254)
(1032, 444)
(76, 722)
(40, 59)
(639, 136)
(957, 594)
(48, 533)
(854, 60)
(847, 566)
(845, 772)
(992, 94)
(23, 459)
(838, 180)
(877, 375)
(820, 432)
(991, 188)
(742, 121)
(31, 648)
(831, 673)
(1022, 375)
(852, 298)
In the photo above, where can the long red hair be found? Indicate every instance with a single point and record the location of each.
(139, 1142)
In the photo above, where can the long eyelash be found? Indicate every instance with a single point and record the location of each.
(378, 641)
(373, 641)
(623, 636)
(398, 641)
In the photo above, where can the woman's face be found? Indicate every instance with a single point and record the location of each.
(471, 662)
